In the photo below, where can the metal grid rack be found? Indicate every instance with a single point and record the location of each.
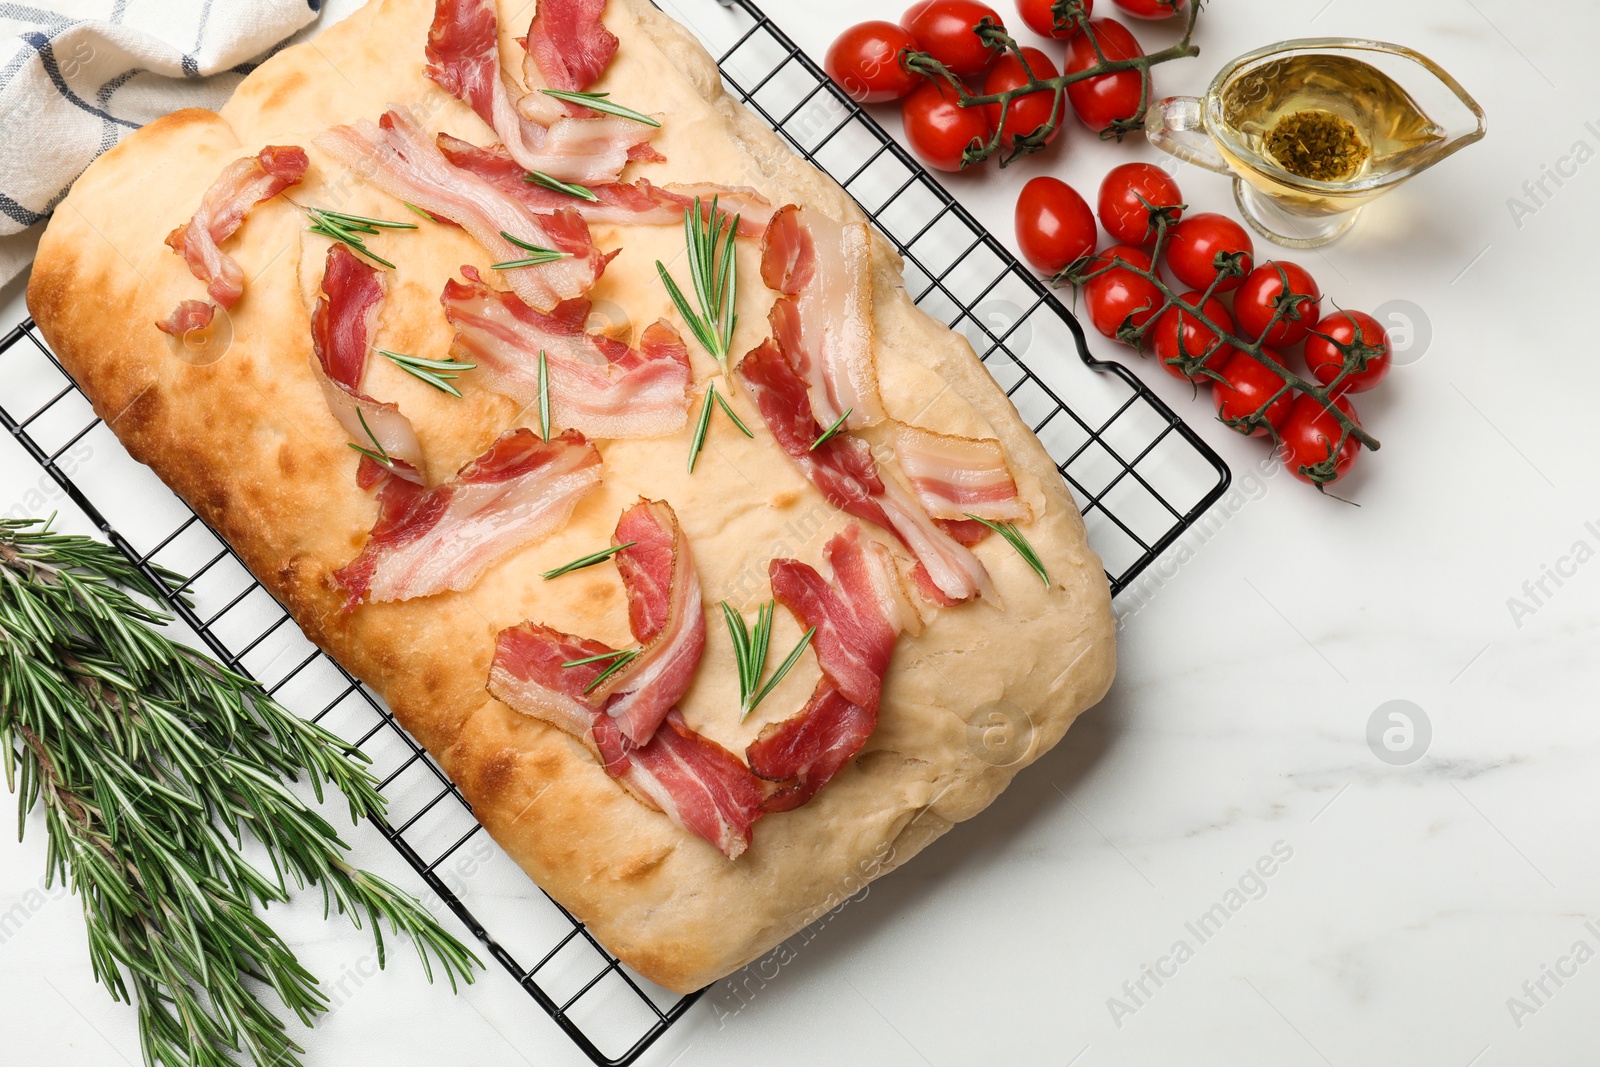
(1139, 473)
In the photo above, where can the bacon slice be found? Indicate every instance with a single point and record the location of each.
(397, 157)
(823, 322)
(341, 333)
(463, 57)
(666, 616)
(428, 541)
(188, 317)
(596, 384)
(621, 203)
(842, 467)
(957, 476)
(527, 675)
(858, 617)
(696, 782)
(243, 184)
(568, 45)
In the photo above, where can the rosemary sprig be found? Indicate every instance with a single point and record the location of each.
(783, 668)
(353, 229)
(582, 192)
(1014, 538)
(438, 373)
(727, 410)
(599, 102)
(151, 763)
(619, 659)
(539, 257)
(704, 423)
(381, 456)
(587, 561)
(544, 396)
(838, 424)
(714, 270)
(749, 650)
(425, 214)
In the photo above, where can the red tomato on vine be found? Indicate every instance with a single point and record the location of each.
(1195, 243)
(1310, 441)
(1325, 361)
(1117, 296)
(946, 30)
(865, 62)
(1246, 388)
(1106, 98)
(1258, 301)
(1040, 17)
(938, 128)
(1055, 227)
(1025, 114)
(1130, 194)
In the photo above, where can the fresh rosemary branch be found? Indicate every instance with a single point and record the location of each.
(703, 424)
(353, 229)
(538, 256)
(750, 646)
(381, 456)
(587, 561)
(438, 373)
(1014, 538)
(714, 269)
(151, 763)
(582, 192)
(599, 102)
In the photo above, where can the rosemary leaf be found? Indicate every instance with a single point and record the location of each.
(737, 421)
(624, 658)
(383, 454)
(538, 177)
(599, 102)
(700, 428)
(587, 561)
(544, 396)
(425, 214)
(838, 424)
(1014, 538)
(596, 658)
(539, 257)
(709, 239)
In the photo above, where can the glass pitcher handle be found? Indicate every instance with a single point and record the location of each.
(1175, 125)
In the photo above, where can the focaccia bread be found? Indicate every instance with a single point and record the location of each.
(248, 440)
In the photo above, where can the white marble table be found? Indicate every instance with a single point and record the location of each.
(1406, 905)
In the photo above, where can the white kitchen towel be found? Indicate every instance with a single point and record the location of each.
(76, 76)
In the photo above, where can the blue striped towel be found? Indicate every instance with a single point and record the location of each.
(76, 76)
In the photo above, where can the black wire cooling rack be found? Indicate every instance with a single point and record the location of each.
(1141, 476)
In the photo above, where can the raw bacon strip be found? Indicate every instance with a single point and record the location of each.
(666, 616)
(842, 467)
(243, 184)
(804, 751)
(568, 45)
(187, 317)
(428, 541)
(620, 203)
(858, 617)
(596, 384)
(341, 333)
(397, 157)
(463, 56)
(527, 675)
(696, 782)
(957, 476)
(823, 322)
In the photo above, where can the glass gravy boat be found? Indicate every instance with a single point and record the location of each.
(1407, 110)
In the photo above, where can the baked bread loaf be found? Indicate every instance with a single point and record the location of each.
(241, 428)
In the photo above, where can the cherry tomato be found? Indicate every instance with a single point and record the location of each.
(1054, 225)
(1040, 17)
(938, 128)
(865, 62)
(1195, 243)
(1151, 9)
(1197, 339)
(1326, 361)
(1025, 114)
(1246, 389)
(1117, 296)
(1128, 195)
(1309, 436)
(945, 29)
(1256, 302)
(1101, 100)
